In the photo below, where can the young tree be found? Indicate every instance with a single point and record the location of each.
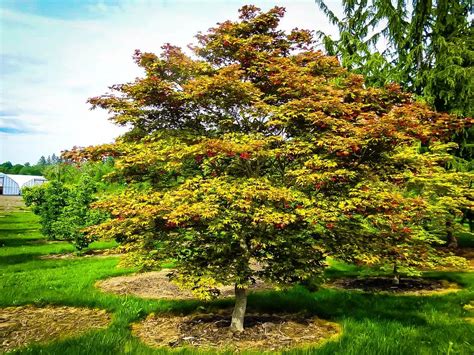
(259, 157)
(77, 214)
(65, 209)
(47, 201)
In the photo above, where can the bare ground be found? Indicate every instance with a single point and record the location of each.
(156, 284)
(263, 332)
(20, 326)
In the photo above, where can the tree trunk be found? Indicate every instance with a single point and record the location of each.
(452, 241)
(396, 275)
(239, 309)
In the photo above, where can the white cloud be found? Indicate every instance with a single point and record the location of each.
(51, 66)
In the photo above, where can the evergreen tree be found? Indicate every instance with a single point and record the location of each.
(429, 47)
(41, 161)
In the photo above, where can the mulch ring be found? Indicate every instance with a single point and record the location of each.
(20, 326)
(104, 253)
(263, 332)
(406, 285)
(11, 204)
(156, 284)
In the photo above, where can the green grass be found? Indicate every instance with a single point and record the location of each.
(372, 323)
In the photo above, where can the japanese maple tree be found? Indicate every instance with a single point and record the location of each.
(257, 157)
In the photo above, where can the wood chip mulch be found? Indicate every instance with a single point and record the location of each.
(406, 285)
(156, 284)
(263, 332)
(20, 326)
(10, 204)
(103, 253)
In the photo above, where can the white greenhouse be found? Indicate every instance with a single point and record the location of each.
(12, 184)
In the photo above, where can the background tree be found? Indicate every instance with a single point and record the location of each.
(41, 161)
(43, 166)
(259, 157)
(5, 167)
(427, 47)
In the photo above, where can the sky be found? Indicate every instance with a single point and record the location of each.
(55, 54)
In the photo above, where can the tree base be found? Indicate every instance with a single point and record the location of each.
(263, 332)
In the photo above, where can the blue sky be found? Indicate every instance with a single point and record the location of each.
(54, 54)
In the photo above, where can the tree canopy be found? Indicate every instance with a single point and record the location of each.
(258, 156)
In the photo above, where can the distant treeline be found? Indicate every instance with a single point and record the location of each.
(28, 169)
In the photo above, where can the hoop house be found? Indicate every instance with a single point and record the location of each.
(12, 184)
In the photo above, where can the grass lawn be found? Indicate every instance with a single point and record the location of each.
(372, 323)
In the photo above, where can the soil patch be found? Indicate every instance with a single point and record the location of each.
(156, 284)
(211, 331)
(406, 286)
(20, 326)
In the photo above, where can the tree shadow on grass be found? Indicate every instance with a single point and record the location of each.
(23, 234)
(326, 304)
(18, 258)
(330, 304)
(18, 242)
